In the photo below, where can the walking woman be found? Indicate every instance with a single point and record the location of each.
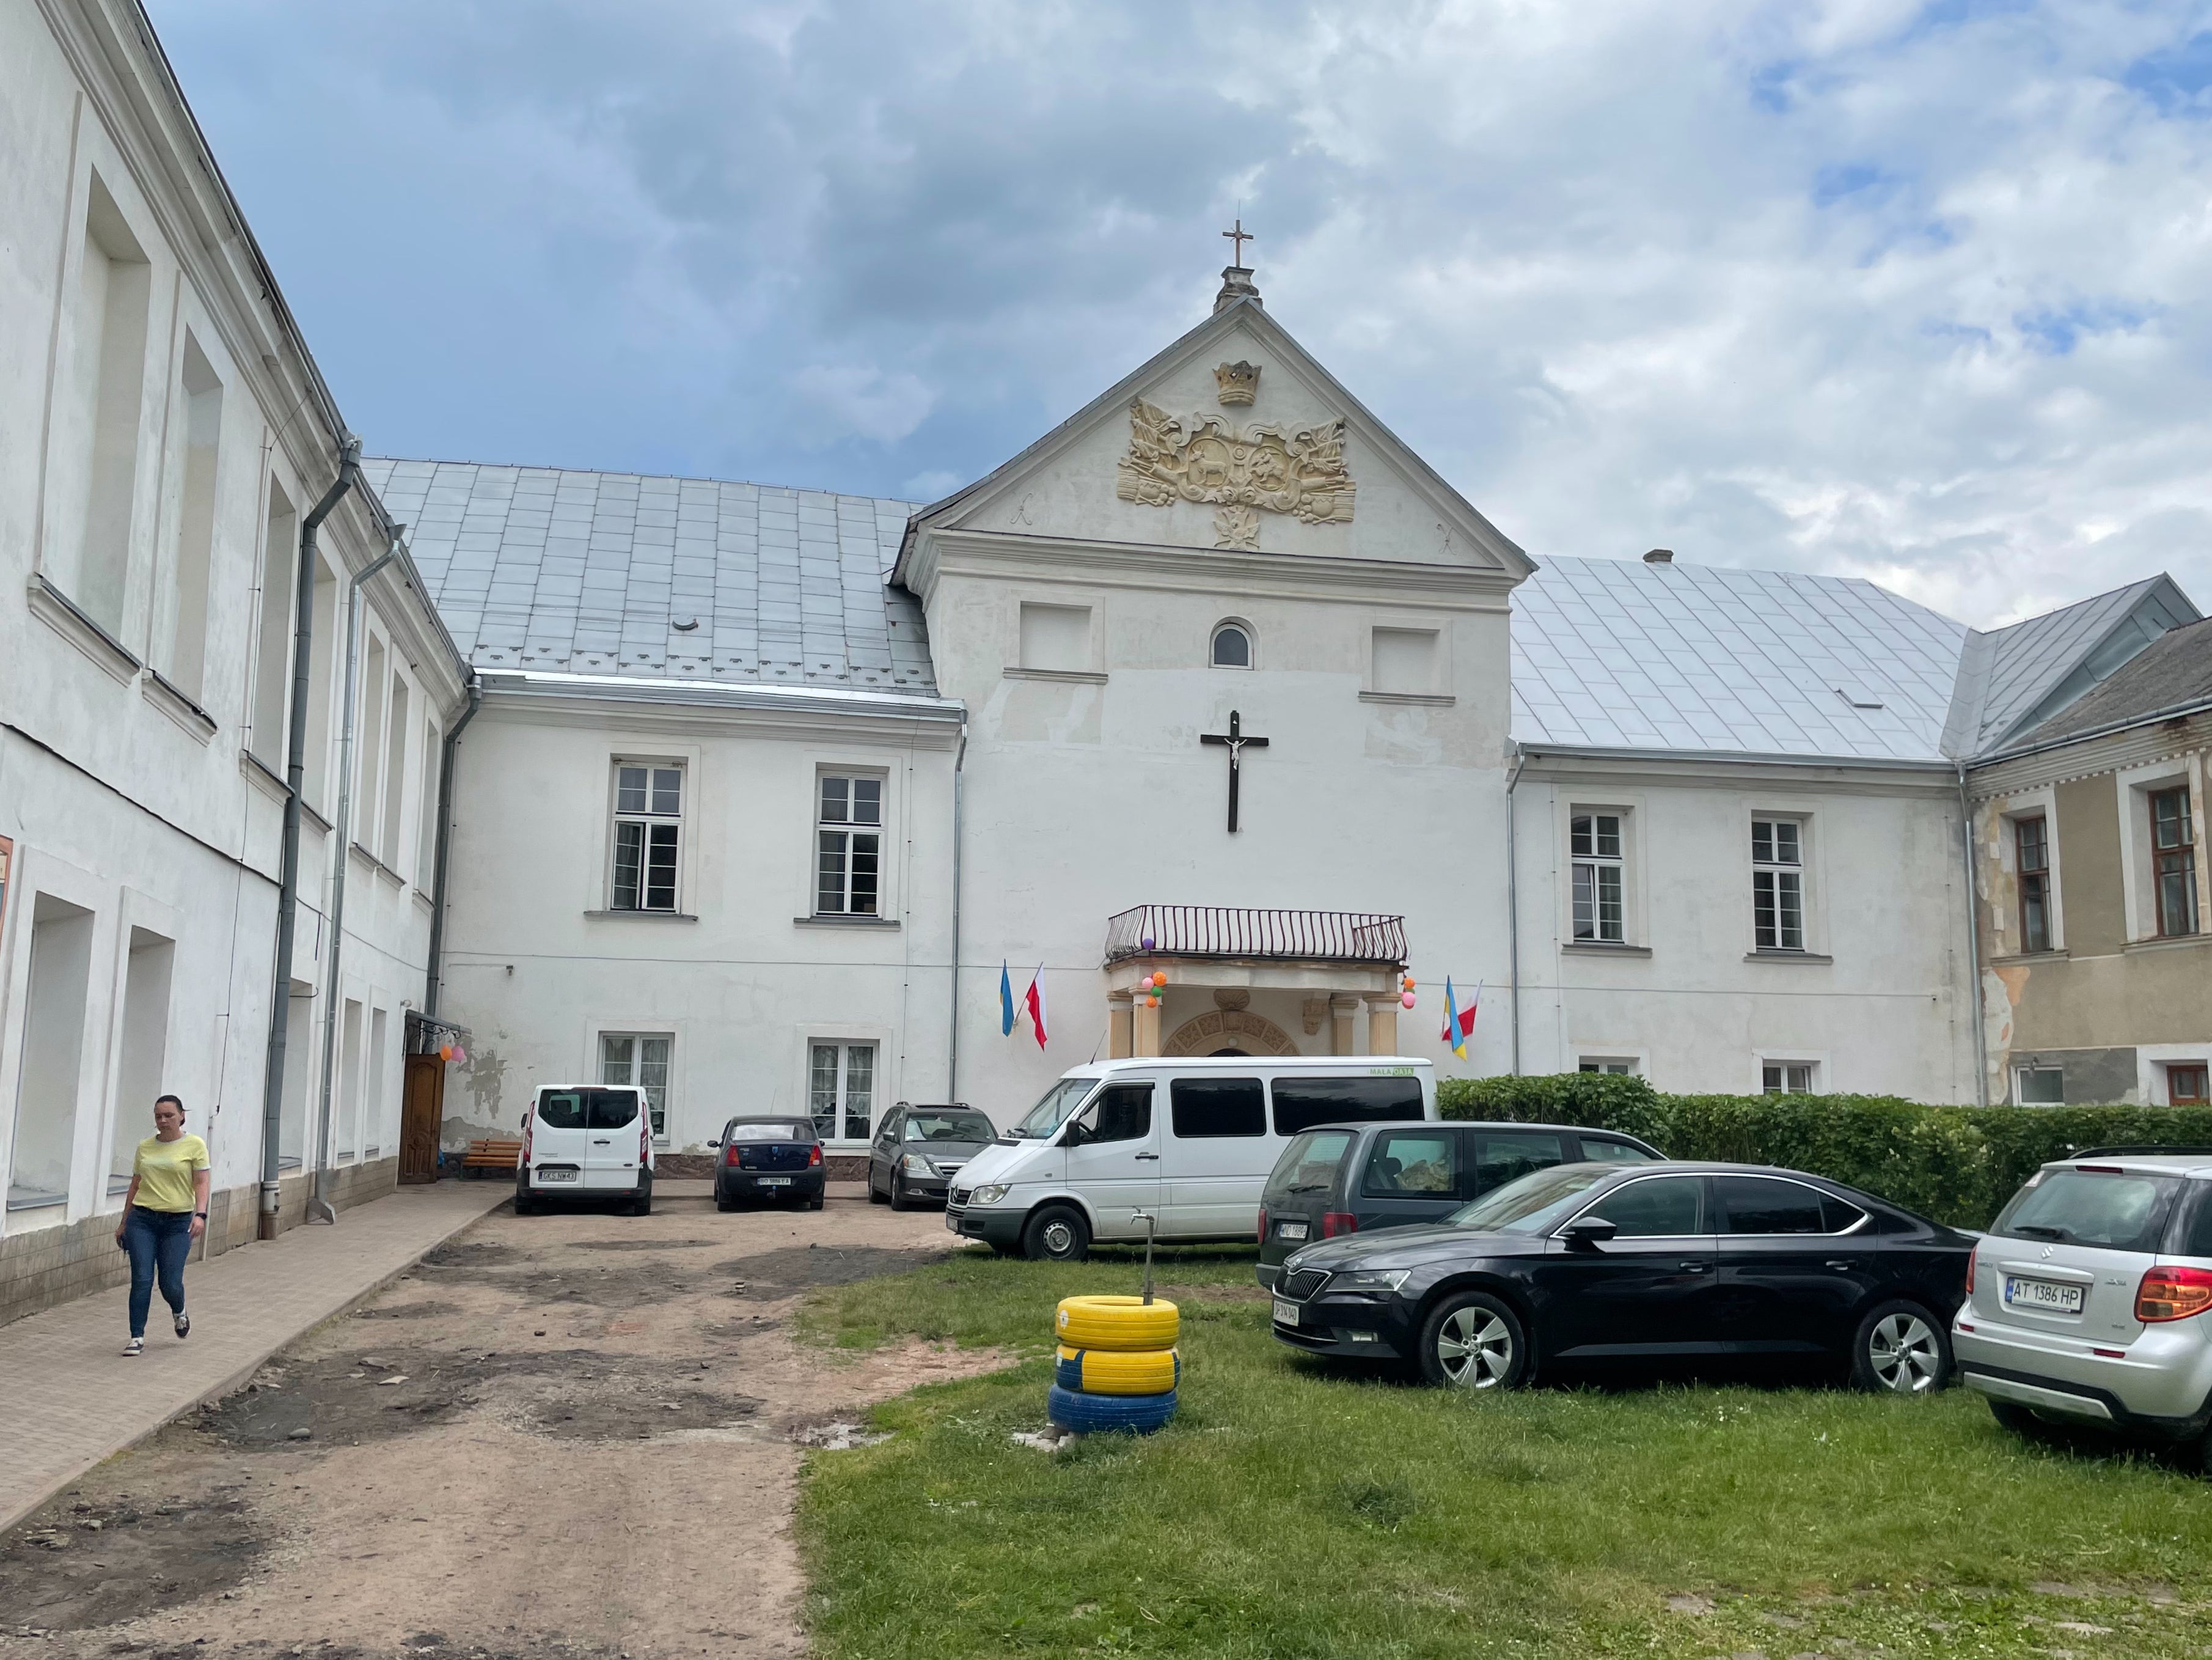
(164, 1212)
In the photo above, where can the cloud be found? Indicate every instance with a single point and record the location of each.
(1918, 292)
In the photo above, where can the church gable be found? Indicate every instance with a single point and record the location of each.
(1233, 438)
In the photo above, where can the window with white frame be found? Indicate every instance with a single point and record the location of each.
(848, 841)
(1613, 1066)
(1788, 1077)
(840, 1089)
(640, 1059)
(1594, 841)
(2038, 1086)
(1232, 645)
(2174, 862)
(648, 834)
(1778, 884)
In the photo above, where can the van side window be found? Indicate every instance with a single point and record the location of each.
(562, 1109)
(1209, 1107)
(1122, 1112)
(1507, 1156)
(1302, 1103)
(609, 1109)
(1414, 1164)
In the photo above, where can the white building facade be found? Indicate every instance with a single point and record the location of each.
(164, 434)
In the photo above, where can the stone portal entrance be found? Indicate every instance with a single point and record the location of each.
(1229, 1031)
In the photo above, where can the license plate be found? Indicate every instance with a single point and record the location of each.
(1286, 1314)
(775, 1181)
(557, 1175)
(1290, 1230)
(2042, 1294)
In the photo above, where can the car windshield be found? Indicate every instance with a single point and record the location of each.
(948, 1127)
(2121, 1210)
(784, 1130)
(1309, 1164)
(1531, 1204)
(1050, 1113)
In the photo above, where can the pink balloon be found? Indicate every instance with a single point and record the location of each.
(1407, 998)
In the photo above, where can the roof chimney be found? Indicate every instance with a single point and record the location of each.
(1236, 284)
(1660, 557)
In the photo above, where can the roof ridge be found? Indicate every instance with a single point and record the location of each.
(622, 473)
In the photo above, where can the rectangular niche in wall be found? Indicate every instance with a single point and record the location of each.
(1406, 660)
(53, 1053)
(1056, 638)
(186, 661)
(138, 1077)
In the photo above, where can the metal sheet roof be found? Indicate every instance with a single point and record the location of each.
(2030, 661)
(1612, 654)
(2173, 671)
(617, 573)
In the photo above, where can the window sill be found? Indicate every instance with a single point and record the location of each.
(890, 922)
(1603, 948)
(196, 722)
(1077, 677)
(1435, 700)
(378, 865)
(62, 615)
(2167, 942)
(270, 781)
(642, 915)
(2005, 960)
(1785, 957)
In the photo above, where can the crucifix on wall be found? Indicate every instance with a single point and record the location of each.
(1235, 740)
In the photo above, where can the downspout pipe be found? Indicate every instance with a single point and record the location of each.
(449, 754)
(320, 1201)
(1973, 944)
(952, 1043)
(1513, 901)
(288, 883)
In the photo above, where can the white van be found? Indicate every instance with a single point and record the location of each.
(586, 1141)
(1189, 1142)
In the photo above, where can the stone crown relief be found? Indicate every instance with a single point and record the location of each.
(1243, 474)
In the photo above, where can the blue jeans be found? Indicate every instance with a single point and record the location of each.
(158, 1241)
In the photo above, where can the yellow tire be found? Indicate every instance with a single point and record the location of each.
(1119, 1371)
(1116, 1322)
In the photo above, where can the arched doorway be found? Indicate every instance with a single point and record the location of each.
(1228, 1031)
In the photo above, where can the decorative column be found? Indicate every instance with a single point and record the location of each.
(1117, 1025)
(1343, 1028)
(1383, 1025)
(1145, 1028)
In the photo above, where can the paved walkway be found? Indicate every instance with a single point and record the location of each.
(72, 1399)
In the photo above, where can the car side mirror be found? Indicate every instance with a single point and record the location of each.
(1588, 1232)
(716, 1142)
(1073, 1138)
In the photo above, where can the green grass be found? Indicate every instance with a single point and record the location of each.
(1298, 1513)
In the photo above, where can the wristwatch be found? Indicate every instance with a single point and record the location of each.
(201, 1214)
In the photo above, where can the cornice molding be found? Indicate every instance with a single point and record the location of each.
(685, 706)
(1546, 764)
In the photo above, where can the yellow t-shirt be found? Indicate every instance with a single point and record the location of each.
(165, 1172)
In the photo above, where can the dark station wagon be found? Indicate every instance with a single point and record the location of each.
(1337, 1179)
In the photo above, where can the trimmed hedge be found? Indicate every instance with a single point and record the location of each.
(1959, 1165)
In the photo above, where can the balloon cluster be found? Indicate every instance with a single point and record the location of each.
(1406, 991)
(1152, 988)
(452, 1052)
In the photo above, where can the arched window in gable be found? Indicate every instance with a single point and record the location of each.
(1232, 645)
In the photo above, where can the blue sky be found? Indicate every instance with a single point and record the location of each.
(1916, 291)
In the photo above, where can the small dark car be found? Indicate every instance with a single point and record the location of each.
(1337, 1179)
(1593, 1263)
(918, 1150)
(769, 1159)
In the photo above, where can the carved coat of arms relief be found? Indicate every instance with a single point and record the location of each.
(1242, 473)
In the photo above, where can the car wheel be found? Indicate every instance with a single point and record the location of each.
(642, 1204)
(2011, 1415)
(1056, 1234)
(522, 1204)
(1474, 1341)
(1901, 1349)
(899, 1200)
(723, 1201)
(815, 1203)
(874, 1198)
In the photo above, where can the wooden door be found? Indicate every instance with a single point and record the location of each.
(422, 1107)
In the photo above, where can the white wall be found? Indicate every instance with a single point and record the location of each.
(1687, 999)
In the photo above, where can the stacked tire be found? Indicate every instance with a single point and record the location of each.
(1118, 1365)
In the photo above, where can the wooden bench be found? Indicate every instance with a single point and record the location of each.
(488, 1155)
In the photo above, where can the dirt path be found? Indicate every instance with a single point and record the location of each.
(576, 1434)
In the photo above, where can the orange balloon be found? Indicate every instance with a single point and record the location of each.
(445, 1051)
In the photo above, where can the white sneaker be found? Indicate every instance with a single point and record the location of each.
(134, 1348)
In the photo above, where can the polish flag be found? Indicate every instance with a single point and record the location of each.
(1035, 999)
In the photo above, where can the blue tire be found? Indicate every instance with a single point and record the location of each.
(1088, 1414)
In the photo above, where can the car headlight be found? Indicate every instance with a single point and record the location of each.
(1382, 1279)
(914, 1164)
(989, 1194)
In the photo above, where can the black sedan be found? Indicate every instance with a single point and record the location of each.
(1596, 1264)
(918, 1151)
(774, 1159)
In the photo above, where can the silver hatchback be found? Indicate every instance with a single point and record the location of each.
(2084, 1300)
